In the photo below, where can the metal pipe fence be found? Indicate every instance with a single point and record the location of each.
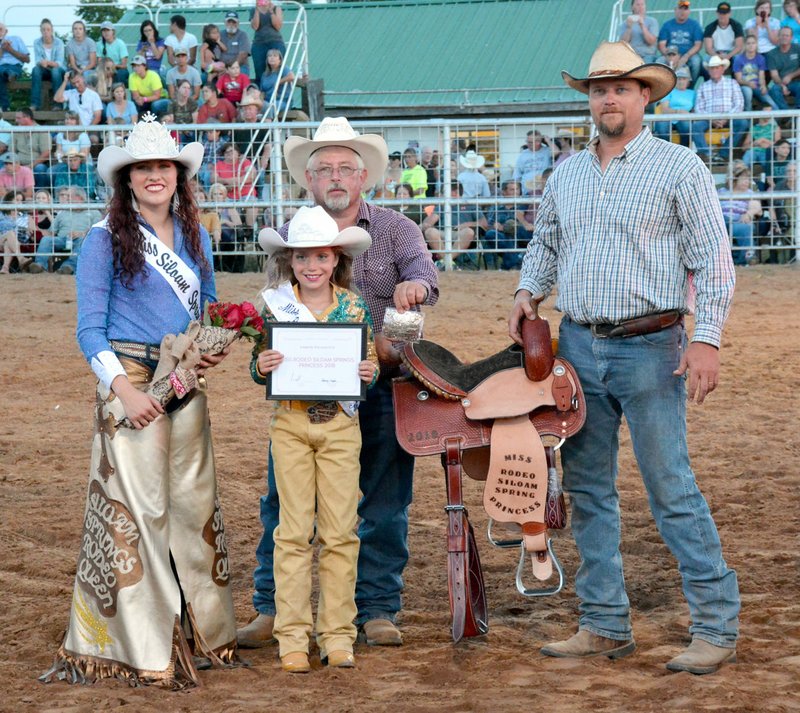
(487, 227)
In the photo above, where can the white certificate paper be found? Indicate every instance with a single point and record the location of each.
(320, 361)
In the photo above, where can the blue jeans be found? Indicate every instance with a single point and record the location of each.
(756, 155)
(7, 71)
(502, 241)
(259, 54)
(41, 176)
(663, 129)
(38, 75)
(386, 487)
(739, 127)
(633, 377)
(776, 92)
(49, 244)
(749, 94)
(742, 237)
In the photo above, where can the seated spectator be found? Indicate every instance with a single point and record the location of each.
(509, 229)
(391, 179)
(179, 38)
(15, 177)
(214, 107)
(13, 228)
(182, 107)
(236, 174)
(49, 57)
(103, 79)
(679, 101)
(255, 139)
(232, 82)
(237, 42)
(778, 161)
(41, 221)
(469, 226)
(232, 228)
(32, 148)
(750, 71)
(640, 31)
(212, 152)
(82, 100)
(147, 91)
(740, 213)
(473, 182)
(210, 219)
(785, 226)
(724, 37)
(72, 138)
(121, 107)
(784, 69)
(277, 80)
(791, 11)
(720, 94)
(425, 217)
(182, 70)
(113, 48)
(429, 160)
(81, 51)
(686, 35)
(760, 139)
(150, 46)
(413, 173)
(211, 54)
(69, 228)
(764, 26)
(534, 158)
(13, 54)
(75, 171)
(564, 146)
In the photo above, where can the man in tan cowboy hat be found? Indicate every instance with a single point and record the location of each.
(720, 94)
(620, 227)
(336, 167)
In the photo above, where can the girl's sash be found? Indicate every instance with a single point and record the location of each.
(167, 263)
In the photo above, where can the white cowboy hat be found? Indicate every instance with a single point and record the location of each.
(618, 60)
(251, 99)
(471, 159)
(717, 61)
(336, 131)
(148, 141)
(314, 228)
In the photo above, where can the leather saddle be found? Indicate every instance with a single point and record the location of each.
(491, 419)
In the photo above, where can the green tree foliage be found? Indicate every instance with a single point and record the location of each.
(93, 12)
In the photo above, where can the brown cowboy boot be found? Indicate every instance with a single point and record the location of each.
(585, 645)
(381, 632)
(257, 633)
(702, 657)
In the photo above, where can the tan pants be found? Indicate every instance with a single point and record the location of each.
(316, 468)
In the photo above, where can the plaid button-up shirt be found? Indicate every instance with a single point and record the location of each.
(622, 242)
(720, 97)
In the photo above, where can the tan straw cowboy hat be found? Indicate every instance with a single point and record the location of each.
(314, 228)
(148, 141)
(618, 60)
(336, 131)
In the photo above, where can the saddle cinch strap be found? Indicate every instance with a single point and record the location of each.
(516, 486)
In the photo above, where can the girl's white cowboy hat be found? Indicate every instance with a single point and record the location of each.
(314, 228)
(148, 141)
(618, 60)
(471, 159)
(336, 131)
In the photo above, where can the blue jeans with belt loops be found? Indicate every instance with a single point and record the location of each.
(386, 484)
(633, 377)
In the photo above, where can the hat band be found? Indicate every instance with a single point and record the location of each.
(611, 72)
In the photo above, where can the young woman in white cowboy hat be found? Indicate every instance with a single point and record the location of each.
(152, 568)
(315, 445)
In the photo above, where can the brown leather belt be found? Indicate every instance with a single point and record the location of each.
(636, 327)
(136, 350)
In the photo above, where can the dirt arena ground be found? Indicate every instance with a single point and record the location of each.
(744, 443)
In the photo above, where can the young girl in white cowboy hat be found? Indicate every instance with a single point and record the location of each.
(153, 566)
(315, 444)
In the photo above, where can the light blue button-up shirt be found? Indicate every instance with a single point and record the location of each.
(621, 243)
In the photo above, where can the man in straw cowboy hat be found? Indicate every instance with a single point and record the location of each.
(621, 226)
(336, 166)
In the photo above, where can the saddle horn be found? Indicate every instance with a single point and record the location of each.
(537, 345)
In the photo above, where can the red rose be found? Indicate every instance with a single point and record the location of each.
(257, 323)
(233, 317)
(249, 310)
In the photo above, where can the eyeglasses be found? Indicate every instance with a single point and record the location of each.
(328, 171)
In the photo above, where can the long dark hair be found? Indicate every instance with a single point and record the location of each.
(155, 31)
(127, 242)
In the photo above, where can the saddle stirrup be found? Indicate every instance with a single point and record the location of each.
(542, 591)
(503, 544)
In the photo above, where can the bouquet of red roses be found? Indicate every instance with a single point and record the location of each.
(223, 323)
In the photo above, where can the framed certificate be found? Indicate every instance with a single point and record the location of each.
(320, 361)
